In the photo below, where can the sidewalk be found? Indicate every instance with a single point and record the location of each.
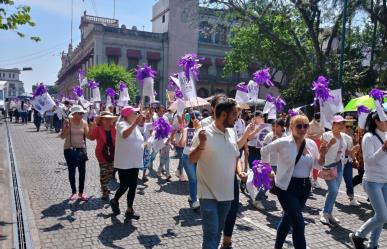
(166, 220)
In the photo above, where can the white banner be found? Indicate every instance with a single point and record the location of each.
(43, 103)
(330, 107)
(180, 106)
(264, 129)
(84, 102)
(241, 97)
(380, 109)
(253, 90)
(108, 101)
(187, 86)
(148, 88)
(124, 95)
(362, 119)
(96, 95)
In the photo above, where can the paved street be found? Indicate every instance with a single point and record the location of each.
(166, 221)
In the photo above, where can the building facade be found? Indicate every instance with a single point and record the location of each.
(178, 27)
(11, 83)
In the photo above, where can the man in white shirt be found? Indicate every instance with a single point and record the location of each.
(215, 149)
(207, 121)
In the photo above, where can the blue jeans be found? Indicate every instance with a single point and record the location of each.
(333, 190)
(261, 192)
(232, 214)
(190, 169)
(213, 214)
(293, 201)
(377, 192)
(348, 174)
(24, 117)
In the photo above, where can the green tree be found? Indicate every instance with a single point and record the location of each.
(11, 17)
(109, 75)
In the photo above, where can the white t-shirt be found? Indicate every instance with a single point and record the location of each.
(128, 151)
(253, 141)
(375, 159)
(337, 151)
(216, 166)
(207, 121)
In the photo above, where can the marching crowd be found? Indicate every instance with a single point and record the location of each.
(217, 150)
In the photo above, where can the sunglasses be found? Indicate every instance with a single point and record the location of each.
(79, 113)
(302, 126)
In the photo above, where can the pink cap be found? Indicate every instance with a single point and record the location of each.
(338, 119)
(127, 110)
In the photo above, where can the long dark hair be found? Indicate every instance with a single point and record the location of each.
(370, 125)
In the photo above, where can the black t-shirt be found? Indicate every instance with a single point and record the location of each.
(109, 140)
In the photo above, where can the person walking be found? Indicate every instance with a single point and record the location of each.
(103, 130)
(374, 146)
(337, 148)
(23, 112)
(74, 132)
(297, 156)
(128, 158)
(37, 119)
(215, 150)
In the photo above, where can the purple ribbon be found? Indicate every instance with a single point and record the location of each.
(144, 72)
(162, 128)
(262, 175)
(40, 90)
(292, 113)
(362, 109)
(242, 87)
(92, 84)
(122, 86)
(377, 94)
(78, 91)
(110, 92)
(279, 104)
(189, 63)
(321, 90)
(262, 77)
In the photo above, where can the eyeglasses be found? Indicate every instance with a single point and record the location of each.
(302, 126)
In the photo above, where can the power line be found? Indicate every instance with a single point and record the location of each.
(32, 58)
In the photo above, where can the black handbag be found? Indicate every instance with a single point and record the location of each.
(274, 189)
(78, 154)
(108, 151)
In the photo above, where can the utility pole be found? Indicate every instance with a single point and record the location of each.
(342, 46)
(114, 9)
(72, 15)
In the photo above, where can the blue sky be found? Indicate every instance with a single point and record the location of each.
(52, 18)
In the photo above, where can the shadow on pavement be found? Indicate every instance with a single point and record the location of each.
(188, 217)
(174, 188)
(116, 231)
(149, 241)
(55, 227)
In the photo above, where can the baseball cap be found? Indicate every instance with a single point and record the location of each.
(128, 110)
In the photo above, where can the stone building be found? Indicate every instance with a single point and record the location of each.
(10, 81)
(178, 27)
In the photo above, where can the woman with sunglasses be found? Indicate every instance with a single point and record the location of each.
(338, 147)
(74, 131)
(374, 146)
(128, 158)
(292, 180)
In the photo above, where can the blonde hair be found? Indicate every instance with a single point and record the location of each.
(297, 119)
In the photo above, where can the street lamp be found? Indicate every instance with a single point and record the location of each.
(342, 46)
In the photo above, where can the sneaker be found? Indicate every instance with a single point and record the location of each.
(324, 218)
(316, 185)
(195, 205)
(258, 205)
(83, 197)
(145, 179)
(73, 197)
(333, 219)
(357, 242)
(169, 179)
(226, 246)
(132, 215)
(354, 202)
(115, 207)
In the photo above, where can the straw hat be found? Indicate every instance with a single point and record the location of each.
(106, 114)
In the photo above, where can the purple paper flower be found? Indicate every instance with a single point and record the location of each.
(144, 72)
(376, 94)
(78, 91)
(292, 112)
(279, 104)
(122, 86)
(262, 175)
(40, 90)
(161, 128)
(242, 87)
(81, 75)
(179, 94)
(362, 109)
(92, 84)
(189, 63)
(270, 98)
(321, 90)
(110, 92)
(262, 77)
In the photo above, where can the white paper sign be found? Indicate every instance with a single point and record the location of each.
(330, 107)
(264, 129)
(124, 95)
(84, 102)
(241, 97)
(180, 106)
(362, 119)
(156, 144)
(148, 88)
(379, 108)
(108, 101)
(43, 103)
(187, 87)
(253, 90)
(96, 95)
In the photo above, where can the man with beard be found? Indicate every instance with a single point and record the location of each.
(215, 150)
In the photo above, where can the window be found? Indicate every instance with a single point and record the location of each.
(204, 71)
(9, 75)
(113, 59)
(153, 64)
(163, 19)
(221, 35)
(205, 32)
(132, 63)
(236, 76)
(219, 71)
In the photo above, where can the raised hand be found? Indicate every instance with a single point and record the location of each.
(202, 138)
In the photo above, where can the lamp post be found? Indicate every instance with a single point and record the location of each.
(342, 46)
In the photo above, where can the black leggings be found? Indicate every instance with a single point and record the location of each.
(128, 180)
(72, 164)
(358, 178)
